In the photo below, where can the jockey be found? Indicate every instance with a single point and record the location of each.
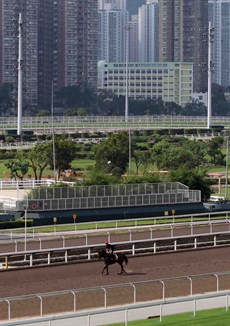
(109, 249)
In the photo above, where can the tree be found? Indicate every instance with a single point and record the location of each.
(194, 107)
(65, 152)
(18, 167)
(195, 179)
(38, 158)
(6, 101)
(113, 154)
(141, 158)
(74, 97)
(214, 147)
(170, 154)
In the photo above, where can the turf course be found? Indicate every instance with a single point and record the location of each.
(213, 317)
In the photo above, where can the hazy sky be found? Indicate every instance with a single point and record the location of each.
(132, 5)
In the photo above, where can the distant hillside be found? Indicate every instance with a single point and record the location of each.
(133, 5)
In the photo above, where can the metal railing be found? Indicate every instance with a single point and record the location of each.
(156, 221)
(65, 255)
(40, 241)
(111, 122)
(103, 295)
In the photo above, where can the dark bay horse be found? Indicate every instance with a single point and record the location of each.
(110, 260)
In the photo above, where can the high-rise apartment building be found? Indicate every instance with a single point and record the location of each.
(9, 46)
(59, 45)
(182, 25)
(133, 39)
(148, 31)
(219, 16)
(112, 4)
(112, 34)
(79, 34)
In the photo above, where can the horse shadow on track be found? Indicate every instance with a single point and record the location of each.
(127, 273)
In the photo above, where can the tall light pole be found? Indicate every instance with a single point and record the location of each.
(127, 29)
(210, 68)
(25, 235)
(130, 144)
(20, 60)
(53, 135)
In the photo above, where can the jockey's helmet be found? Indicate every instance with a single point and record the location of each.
(106, 242)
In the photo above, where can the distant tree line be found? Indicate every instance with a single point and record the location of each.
(85, 101)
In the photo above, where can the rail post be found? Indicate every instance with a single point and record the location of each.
(66, 256)
(215, 241)
(217, 282)
(194, 308)
(8, 304)
(172, 227)
(105, 297)
(130, 235)
(63, 241)
(74, 301)
(175, 245)
(86, 239)
(161, 312)
(31, 260)
(133, 249)
(16, 246)
(6, 262)
(163, 289)
(191, 288)
(41, 307)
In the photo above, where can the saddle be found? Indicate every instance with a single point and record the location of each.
(113, 257)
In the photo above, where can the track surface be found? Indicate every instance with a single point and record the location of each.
(84, 275)
(88, 274)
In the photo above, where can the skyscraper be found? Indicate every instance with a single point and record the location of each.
(181, 35)
(148, 31)
(79, 34)
(59, 46)
(112, 35)
(112, 4)
(219, 15)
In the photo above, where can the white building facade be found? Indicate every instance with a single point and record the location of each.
(111, 4)
(219, 15)
(170, 81)
(148, 32)
(112, 34)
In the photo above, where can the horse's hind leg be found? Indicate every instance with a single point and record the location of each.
(122, 269)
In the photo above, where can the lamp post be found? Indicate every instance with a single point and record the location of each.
(127, 29)
(53, 135)
(20, 62)
(130, 144)
(25, 234)
(210, 69)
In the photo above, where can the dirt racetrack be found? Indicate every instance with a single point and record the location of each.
(87, 275)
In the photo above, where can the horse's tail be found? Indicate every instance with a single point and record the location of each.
(126, 259)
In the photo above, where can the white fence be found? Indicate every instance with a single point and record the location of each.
(26, 183)
(133, 311)
(79, 253)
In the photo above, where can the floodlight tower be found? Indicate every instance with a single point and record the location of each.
(210, 69)
(127, 29)
(20, 60)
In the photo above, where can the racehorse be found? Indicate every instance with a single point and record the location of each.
(110, 259)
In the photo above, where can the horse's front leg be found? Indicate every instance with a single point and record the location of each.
(103, 270)
(106, 267)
